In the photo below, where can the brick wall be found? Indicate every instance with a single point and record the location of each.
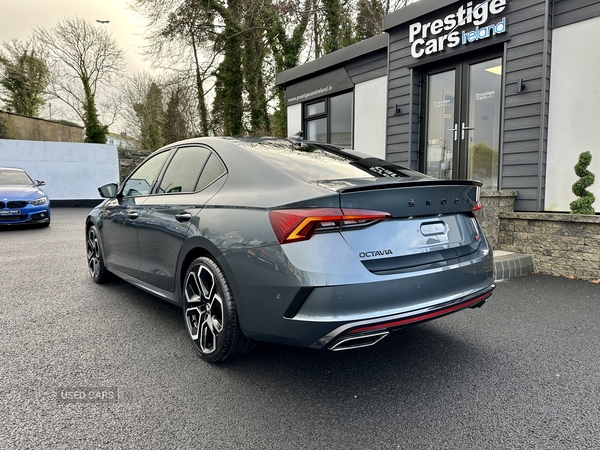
(560, 244)
(495, 203)
(16, 126)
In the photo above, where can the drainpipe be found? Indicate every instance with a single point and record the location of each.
(544, 109)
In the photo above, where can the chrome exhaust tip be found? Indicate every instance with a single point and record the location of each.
(352, 342)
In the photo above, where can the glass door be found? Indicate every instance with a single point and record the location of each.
(482, 128)
(462, 125)
(441, 125)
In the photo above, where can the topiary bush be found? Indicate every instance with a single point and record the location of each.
(583, 205)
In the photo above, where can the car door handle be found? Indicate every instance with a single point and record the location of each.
(133, 216)
(183, 217)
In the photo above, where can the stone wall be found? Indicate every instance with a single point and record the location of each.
(16, 126)
(129, 160)
(495, 203)
(560, 244)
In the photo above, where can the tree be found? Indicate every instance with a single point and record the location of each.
(180, 35)
(369, 20)
(236, 47)
(24, 78)
(286, 53)
(175, 126)
(583, 205)
(84, 58)
(151, 116)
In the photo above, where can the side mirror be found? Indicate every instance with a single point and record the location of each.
(40, 182)
(108, 190)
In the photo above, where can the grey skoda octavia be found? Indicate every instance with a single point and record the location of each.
(302, 244)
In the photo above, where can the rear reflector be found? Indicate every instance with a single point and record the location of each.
(294, 225)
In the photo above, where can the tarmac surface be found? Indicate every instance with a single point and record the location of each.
(90, 366)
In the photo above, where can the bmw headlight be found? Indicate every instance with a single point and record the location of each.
(39, 201)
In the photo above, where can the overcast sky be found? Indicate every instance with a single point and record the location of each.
(18, 18)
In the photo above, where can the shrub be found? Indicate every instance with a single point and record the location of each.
(583, 205)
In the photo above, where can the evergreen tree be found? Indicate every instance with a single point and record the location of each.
(24, 78)
(174, 126)
(369, 20)
(151, 115)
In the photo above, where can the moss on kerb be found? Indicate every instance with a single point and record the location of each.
(499, 193)
(552, 217)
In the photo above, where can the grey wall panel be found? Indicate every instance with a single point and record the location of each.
(525, 205)
(521, 170)
(521, 147)
(522, 122)
(511, 159)
(567, 12)
(367, 67)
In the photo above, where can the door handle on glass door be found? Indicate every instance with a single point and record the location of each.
(463, 128)
(455, 129)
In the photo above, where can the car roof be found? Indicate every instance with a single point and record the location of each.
(13, 169)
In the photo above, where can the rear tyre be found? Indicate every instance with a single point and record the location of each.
(210, 314)
(95, 260)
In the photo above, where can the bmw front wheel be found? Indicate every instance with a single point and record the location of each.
(210, 313)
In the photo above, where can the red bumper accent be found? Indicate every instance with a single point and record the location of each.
(426, 316)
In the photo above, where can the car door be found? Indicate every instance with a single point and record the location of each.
(120, 216)
(166, 215)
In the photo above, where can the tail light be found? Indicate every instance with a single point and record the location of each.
(477, 209)
(294, 225)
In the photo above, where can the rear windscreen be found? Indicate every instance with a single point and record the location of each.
(310, 162)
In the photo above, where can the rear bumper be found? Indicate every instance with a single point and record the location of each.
(374, 327)
(291, 311)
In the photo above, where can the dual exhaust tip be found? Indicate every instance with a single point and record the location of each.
(351, 342)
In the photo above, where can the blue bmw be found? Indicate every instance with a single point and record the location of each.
(21, 199)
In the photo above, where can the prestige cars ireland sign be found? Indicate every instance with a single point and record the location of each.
(467, 24)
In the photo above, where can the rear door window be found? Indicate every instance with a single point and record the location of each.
(184, 170)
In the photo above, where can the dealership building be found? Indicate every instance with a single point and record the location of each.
(503, 91)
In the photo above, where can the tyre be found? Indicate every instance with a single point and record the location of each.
(95, 260)
(210, 314)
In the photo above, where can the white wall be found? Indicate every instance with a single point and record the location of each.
(294, 119)
(573, 121)
(370, 100)
(72, 171)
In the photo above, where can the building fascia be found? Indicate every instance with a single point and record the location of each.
(332, 60)
(413, 11)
